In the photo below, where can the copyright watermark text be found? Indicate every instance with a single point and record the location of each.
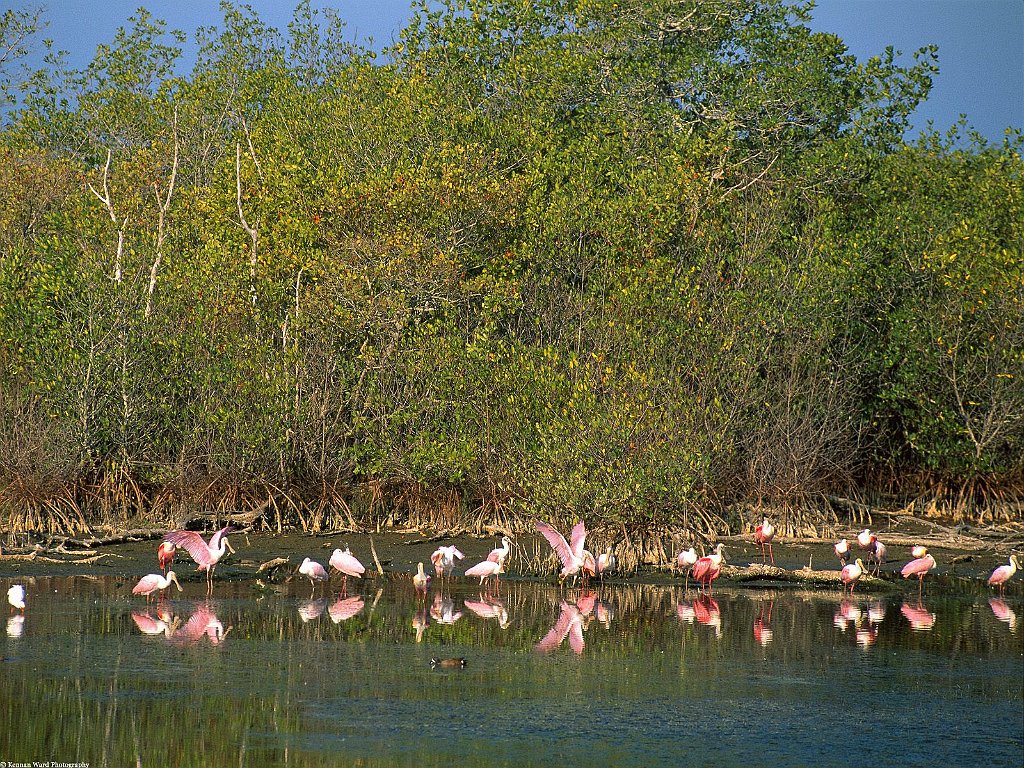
(41, 764)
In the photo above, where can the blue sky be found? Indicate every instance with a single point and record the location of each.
(981, 42)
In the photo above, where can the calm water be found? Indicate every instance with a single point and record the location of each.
(634, 676)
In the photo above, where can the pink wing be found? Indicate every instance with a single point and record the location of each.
(480, 608)
(457, 554)
(215, 539)
(146, 584)
(576, 538)
(435, 558)
(195, 627)
(701, 568)
(586, 603)
(557, 542)
(576, 637)
(347, 563)
(495, 555)
(193, 543)
(1000, 574)
(915, 567)
(486, 568)
(557, 633)
(317, 571)
(147, 624)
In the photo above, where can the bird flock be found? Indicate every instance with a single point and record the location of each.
(577, 563)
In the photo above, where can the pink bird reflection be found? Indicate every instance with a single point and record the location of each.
(1003, 612)
(312, 609)
(203, 622)
(442, 610)
(921, 620)
(707, 612)
(569, 624)
(344, 608)
(489, 607)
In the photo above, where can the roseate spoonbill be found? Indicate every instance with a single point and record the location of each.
(16, 597)
(918, 551)
(919, 568)
(165, 555)
(709, 568)
(865, 539)
(569, 624)
(605, 563)
(571, 555)
(313, 571)
(499, 554)
(763, 535)
(486, 569)
(877, 554)
(589, 567)
(685, 561)
(345, 562)
(851, 574)
(444, 559)
(1003, 574)
(420, 580)
(155, 582)
(842, 549)
(205, 555)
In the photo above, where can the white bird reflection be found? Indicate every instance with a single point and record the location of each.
(16, 625)
(848, 613)
(443, 610)
(312, 609)
(162, 623)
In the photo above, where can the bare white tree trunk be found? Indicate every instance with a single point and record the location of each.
(163, 204)
(108, 204)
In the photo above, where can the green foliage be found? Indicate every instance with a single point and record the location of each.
(614, 260)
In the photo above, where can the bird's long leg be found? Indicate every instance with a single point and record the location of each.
(770, 553)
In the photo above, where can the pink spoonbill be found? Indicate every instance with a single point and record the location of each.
(205, 555)
(865, 539)
(1003, 574)
(842, 550)
(877, 554)
(685, 561)
(444, 559)
(709, 568)
(165, 555)
(420, 580)
(344, 561)
(571, 555)
(919, 568)
(851, 574)
(763, 535)
(488, 569)
(155, 582)
(498, 554)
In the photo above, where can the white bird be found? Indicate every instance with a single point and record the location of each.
(499, 554)
(16, 597)
(918, 551)
(444, 559)
(205, 555)
(842, 548)
(313, 571)
(420, 580)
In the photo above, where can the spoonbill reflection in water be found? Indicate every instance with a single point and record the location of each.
(203, 622)
(920, 618)
(164, 623)
(1004, 613)
(569, 624)
(344, 608)
(707, 612)
(442, 610)
(205, 555)
(763, 625)
(489, 607)
(312, 609)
